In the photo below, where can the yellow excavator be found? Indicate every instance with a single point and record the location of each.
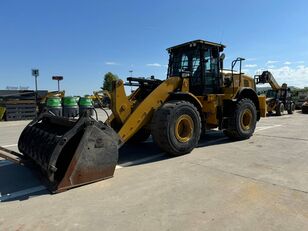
(196, 96)
(279, 98)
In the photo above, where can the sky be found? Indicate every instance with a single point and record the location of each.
(82, 40)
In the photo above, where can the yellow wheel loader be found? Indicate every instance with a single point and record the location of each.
(196, 96)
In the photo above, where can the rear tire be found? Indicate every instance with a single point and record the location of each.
(243, 123)
(176, 127)
(292, 108)
(305, 109)
(279, 109)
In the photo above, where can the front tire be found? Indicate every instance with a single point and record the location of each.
(176, 127)
(279, 109)
(243, 123)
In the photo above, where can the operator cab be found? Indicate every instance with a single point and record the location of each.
(200, 61)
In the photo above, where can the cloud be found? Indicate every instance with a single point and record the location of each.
(271, 62)
(111, 63)
(251, 59)
(154, 65)
(271, 66)
(251, 65)
(287, 63)
(300, 62)
(297, 76)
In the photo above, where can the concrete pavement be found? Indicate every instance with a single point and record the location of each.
(256, 184)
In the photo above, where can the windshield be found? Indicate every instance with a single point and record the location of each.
(184, 61)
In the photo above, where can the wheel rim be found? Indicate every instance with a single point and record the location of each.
(184, 128)
(246, 119)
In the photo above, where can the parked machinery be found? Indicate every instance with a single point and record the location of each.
(300, 98)
(196, 96)
(305, 106)
(101, 99)
(279, 98)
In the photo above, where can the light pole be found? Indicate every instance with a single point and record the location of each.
(58, 78)
(35, 73)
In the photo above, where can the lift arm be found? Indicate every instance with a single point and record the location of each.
(133, 119)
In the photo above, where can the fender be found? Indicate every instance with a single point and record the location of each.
(188, 97)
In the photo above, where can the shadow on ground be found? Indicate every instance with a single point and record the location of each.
(16, 182)
(301, 112)
(133, 152)
(285, 113)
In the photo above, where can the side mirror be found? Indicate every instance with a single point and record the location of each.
(222, 56)
(221, 60)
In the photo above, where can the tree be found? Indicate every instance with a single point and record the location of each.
(108, 78)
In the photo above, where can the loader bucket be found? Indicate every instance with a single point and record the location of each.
(69, 152)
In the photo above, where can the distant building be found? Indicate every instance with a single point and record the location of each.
(17, 88)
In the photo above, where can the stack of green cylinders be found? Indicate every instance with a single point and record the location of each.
(70, 106)
(54, 105)
(85, 104)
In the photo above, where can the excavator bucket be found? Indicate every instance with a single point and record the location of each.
(69, 152)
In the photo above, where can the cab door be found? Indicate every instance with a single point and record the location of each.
(211, 71)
